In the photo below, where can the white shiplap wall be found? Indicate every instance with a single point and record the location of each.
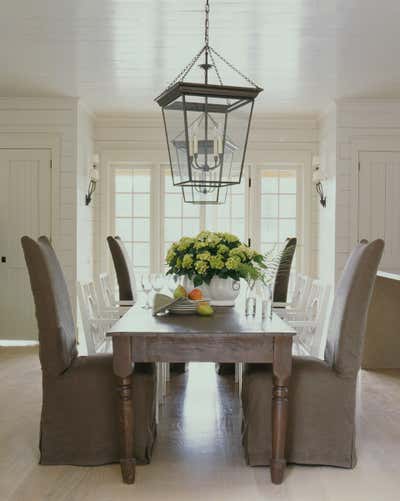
(361, 125)
(326, 217)
(44, 123)
(85, 220)
(143, 138)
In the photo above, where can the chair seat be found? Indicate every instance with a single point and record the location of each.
(79, 424)
(320, 428)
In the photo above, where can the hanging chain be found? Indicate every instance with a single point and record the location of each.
(209, 51)
(187, 68)
(207, 24)
(236, 70)
(214, 65)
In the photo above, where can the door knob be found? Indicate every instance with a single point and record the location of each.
(3, 259)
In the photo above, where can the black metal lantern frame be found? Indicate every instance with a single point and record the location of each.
(207, 130)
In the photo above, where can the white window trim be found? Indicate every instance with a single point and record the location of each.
(157, 162)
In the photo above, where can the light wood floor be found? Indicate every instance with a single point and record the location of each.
(198, 454)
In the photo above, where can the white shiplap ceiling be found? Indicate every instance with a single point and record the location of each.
(117, 55)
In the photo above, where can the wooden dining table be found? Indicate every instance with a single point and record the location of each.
(226, 336)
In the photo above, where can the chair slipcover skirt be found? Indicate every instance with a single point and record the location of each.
(79, 423)
(321, 428)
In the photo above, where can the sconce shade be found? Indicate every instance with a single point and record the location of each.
(94, 174)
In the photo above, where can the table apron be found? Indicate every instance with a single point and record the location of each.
(204, 348)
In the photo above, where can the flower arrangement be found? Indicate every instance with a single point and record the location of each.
(211, 255)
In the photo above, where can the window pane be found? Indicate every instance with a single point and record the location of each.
(238, 228)
(141, 183)
(287, 182)
(269, 183)
(190, 227)
(141, 230)
(269, 230)
(123, 205)
(269, 206)
(123, 228)
(223, 211)
(287, 206)
(141, 254)
(229, 216)
(190, 210)
(172, 230)
(169, 187)
(287, 228)
(141, 205)
(173, 205)
(123, 181)
(237, 205)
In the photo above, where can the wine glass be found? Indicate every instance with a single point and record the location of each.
(251, 300)
(145, 282)
(157, 281)
(172, 282)
(266, 305)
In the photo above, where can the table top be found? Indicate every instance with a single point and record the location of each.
(226, 321)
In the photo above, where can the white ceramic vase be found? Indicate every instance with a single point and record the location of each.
(220, 291)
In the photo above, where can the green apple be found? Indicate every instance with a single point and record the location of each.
(179, 292)
(204, 309)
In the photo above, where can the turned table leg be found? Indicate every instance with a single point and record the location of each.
(126, 429)
(282, 366)
(123, 368)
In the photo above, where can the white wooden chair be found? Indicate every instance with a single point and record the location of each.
(100, 309)
(298, 302)
(106, 296)
(94, 327)
(309, 324)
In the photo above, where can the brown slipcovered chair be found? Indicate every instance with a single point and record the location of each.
(279, 293)
(322, 393)
(123, 270)
(79, 423)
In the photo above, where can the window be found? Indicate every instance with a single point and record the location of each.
(132, 213)
(278, 207)
(149, 213)
(179, 218)
(231, 216)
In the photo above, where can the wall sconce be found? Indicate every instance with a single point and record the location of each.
(317, 179)
(93, 179)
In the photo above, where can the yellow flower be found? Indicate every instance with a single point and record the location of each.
(229, 237)
(184, 243)
(201, 267)
(187, 261)
(223, 249)
(237, 252)
(233, 263)
(171, 254)
(204, 256)
(216, 262)
(200, 244)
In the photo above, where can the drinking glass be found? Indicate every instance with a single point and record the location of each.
(251, 300)
(266, 304)
(145, 282)
(172, 282)
(157, 281)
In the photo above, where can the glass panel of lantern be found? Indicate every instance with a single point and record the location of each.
(204, 195)
(207, 138)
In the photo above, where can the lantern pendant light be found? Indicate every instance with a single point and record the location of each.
(207, 128)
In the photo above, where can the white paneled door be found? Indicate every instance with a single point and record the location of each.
(25, 209)
(379, 203)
